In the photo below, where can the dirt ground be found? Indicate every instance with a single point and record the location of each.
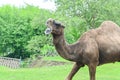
(42, 63)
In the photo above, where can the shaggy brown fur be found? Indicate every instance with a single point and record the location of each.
(95, 47)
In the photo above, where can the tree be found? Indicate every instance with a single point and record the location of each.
(19, 28)
(15, 31)
(92, 11)
(82, 15)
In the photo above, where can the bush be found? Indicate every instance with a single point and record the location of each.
(19, 27)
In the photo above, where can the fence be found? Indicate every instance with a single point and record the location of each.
(10, 62)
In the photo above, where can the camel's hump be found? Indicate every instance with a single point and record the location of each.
(109, 24)
(108, 27)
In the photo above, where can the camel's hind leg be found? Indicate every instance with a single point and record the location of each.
(74, 70)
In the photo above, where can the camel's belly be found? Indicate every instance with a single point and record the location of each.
(108, 57)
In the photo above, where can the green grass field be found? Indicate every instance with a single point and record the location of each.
(104, 72)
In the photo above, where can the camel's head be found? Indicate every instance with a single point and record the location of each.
(54, 27)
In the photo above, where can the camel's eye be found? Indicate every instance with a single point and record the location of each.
(57, 24)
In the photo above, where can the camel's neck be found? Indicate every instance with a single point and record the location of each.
(65, 50)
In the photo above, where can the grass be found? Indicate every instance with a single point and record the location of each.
(104, 72)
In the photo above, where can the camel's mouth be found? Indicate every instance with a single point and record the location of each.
(48, 30)
(49, 27)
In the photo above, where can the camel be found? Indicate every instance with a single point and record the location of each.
(95, 47)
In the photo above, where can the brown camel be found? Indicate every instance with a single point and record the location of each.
(95, 47)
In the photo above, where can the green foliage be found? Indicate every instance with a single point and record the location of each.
(20, 28)
(37, 45)
(83, 15)
(92, 11)
(16, 30)
(47, 49)
(75, 28)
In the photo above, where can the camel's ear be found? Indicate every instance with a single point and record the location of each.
(62, 25)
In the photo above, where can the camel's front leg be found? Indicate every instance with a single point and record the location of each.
(74, 70)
